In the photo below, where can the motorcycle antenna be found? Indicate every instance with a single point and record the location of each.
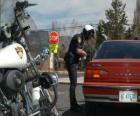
(24, 4)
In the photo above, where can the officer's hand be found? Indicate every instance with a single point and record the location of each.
(81, 52)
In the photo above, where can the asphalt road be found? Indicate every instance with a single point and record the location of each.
(63, 100)
(102, 110)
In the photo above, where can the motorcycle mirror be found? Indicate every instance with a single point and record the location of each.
(45, 52)
(42, 55)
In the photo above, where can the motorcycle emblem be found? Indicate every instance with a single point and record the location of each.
(19, 51)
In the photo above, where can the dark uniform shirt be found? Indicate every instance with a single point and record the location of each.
(71, 56)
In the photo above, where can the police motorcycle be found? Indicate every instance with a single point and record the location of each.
(24, 90)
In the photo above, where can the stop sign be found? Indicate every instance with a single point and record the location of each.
(53, 37)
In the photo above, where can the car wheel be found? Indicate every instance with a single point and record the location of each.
(90, 109)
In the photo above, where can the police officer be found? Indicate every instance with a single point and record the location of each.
(76, 51)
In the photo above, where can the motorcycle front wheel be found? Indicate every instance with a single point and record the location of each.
(48, 101)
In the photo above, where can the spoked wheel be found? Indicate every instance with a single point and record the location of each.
(48, 101)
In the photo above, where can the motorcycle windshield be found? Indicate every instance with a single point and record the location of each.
(7, 12)
(37, 39)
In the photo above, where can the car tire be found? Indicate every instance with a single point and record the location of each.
(90, 108)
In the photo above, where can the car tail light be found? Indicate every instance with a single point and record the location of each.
(98, 73)
(95, 72)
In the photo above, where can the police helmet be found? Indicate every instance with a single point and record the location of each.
(88, 31)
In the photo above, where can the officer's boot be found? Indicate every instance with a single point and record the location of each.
(73, 102)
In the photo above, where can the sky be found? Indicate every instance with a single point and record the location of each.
(84, 11)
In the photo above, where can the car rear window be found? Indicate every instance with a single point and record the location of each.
(117, 50)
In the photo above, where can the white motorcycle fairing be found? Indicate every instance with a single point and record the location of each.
(13, 56)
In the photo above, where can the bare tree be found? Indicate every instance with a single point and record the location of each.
(74, 27)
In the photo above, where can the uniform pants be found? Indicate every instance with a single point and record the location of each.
(72, 71)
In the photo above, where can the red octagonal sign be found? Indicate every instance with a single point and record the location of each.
(53, 37)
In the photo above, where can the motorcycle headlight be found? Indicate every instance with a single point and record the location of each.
(48, 79)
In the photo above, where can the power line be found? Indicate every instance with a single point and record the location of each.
(66, 28)
(70, 27)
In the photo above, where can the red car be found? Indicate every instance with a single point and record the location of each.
(113, 76)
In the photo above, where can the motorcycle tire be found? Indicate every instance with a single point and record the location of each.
(49, 101)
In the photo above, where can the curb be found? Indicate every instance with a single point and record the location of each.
(66, 83)
(80, 81)
(65, 72)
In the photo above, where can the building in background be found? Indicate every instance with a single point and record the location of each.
(38, 40)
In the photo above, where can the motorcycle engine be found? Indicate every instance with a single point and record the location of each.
(13, 81)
